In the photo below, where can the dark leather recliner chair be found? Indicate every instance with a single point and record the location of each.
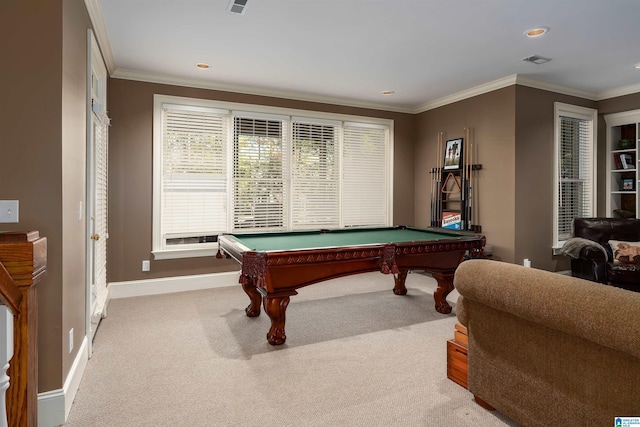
(592, 263)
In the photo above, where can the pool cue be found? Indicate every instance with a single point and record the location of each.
(468, 171)
(439, 181)
(463, 183)
(435, 189)
(471, 179)
(432, 195)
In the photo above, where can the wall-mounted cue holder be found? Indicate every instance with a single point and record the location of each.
(453, 185)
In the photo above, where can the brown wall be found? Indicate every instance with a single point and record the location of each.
(130, 174)
(30, 152)
(491, 119)
(534, 148)
(42, 138)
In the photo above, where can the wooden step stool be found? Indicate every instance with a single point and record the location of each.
(457, 356)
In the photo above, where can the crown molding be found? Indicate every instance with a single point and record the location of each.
(100, 30)
(622, 91)
(529, 82)
(475, 91)
(552, 87)
(195, 83)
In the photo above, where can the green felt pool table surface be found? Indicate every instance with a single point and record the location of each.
(265, 242)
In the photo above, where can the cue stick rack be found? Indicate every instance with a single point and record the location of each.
(453, 189)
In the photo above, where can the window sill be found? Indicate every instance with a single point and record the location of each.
(557, 250)
(184, 253)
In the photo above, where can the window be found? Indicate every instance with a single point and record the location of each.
(258, 174)
(193, 185)
(365, 194)
(575, 168)
(315, 175)
(223, 167)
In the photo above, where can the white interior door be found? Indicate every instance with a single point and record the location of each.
(98, 221)
(97, 181)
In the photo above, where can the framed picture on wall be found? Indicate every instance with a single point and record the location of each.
(453, 153)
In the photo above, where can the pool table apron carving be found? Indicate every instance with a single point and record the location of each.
(272, 278)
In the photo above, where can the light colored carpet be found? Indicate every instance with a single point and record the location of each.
(356, 355)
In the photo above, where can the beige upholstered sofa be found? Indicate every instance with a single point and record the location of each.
(548, 349)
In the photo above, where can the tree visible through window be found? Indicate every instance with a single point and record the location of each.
(258, 174)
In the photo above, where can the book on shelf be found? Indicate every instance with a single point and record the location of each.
(627, 161)
(616, 159)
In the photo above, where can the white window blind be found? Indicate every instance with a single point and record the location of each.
(575, 168)
(365, 193)
(315, 176)
(194, 175)
(575, 174)
(258, 174)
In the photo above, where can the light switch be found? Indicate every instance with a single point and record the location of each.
(8, 211)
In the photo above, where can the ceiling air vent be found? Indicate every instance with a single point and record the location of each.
(537, 59)
(238, 6)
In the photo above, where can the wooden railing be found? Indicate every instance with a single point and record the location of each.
(23, 263)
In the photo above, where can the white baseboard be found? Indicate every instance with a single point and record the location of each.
(54, 405)
(167, 285)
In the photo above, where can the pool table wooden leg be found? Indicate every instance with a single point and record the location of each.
(249, 286)
(445, 286)
(276, 307)
(400, 278)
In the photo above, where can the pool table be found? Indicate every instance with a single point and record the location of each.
(275, 264)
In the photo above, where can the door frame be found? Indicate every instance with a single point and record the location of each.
(95, 63)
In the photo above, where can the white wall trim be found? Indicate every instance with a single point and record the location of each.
(166, 285)
(474, 91)
(100, 29)
(552, 87)
(450, 99)
(512, 80)
(621, 91)
(143, 76)
(54, 406)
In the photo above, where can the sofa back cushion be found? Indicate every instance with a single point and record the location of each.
(602, 230)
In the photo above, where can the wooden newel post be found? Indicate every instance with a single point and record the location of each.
(23, 263)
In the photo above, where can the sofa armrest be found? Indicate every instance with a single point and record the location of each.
(602, 314)
(593, 254)
(578, 247)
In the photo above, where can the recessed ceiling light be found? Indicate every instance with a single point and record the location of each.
(637, 66)
(388, 92)
(203, 66)
(536, 32)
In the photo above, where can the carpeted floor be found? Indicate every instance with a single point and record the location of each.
(356, 355)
